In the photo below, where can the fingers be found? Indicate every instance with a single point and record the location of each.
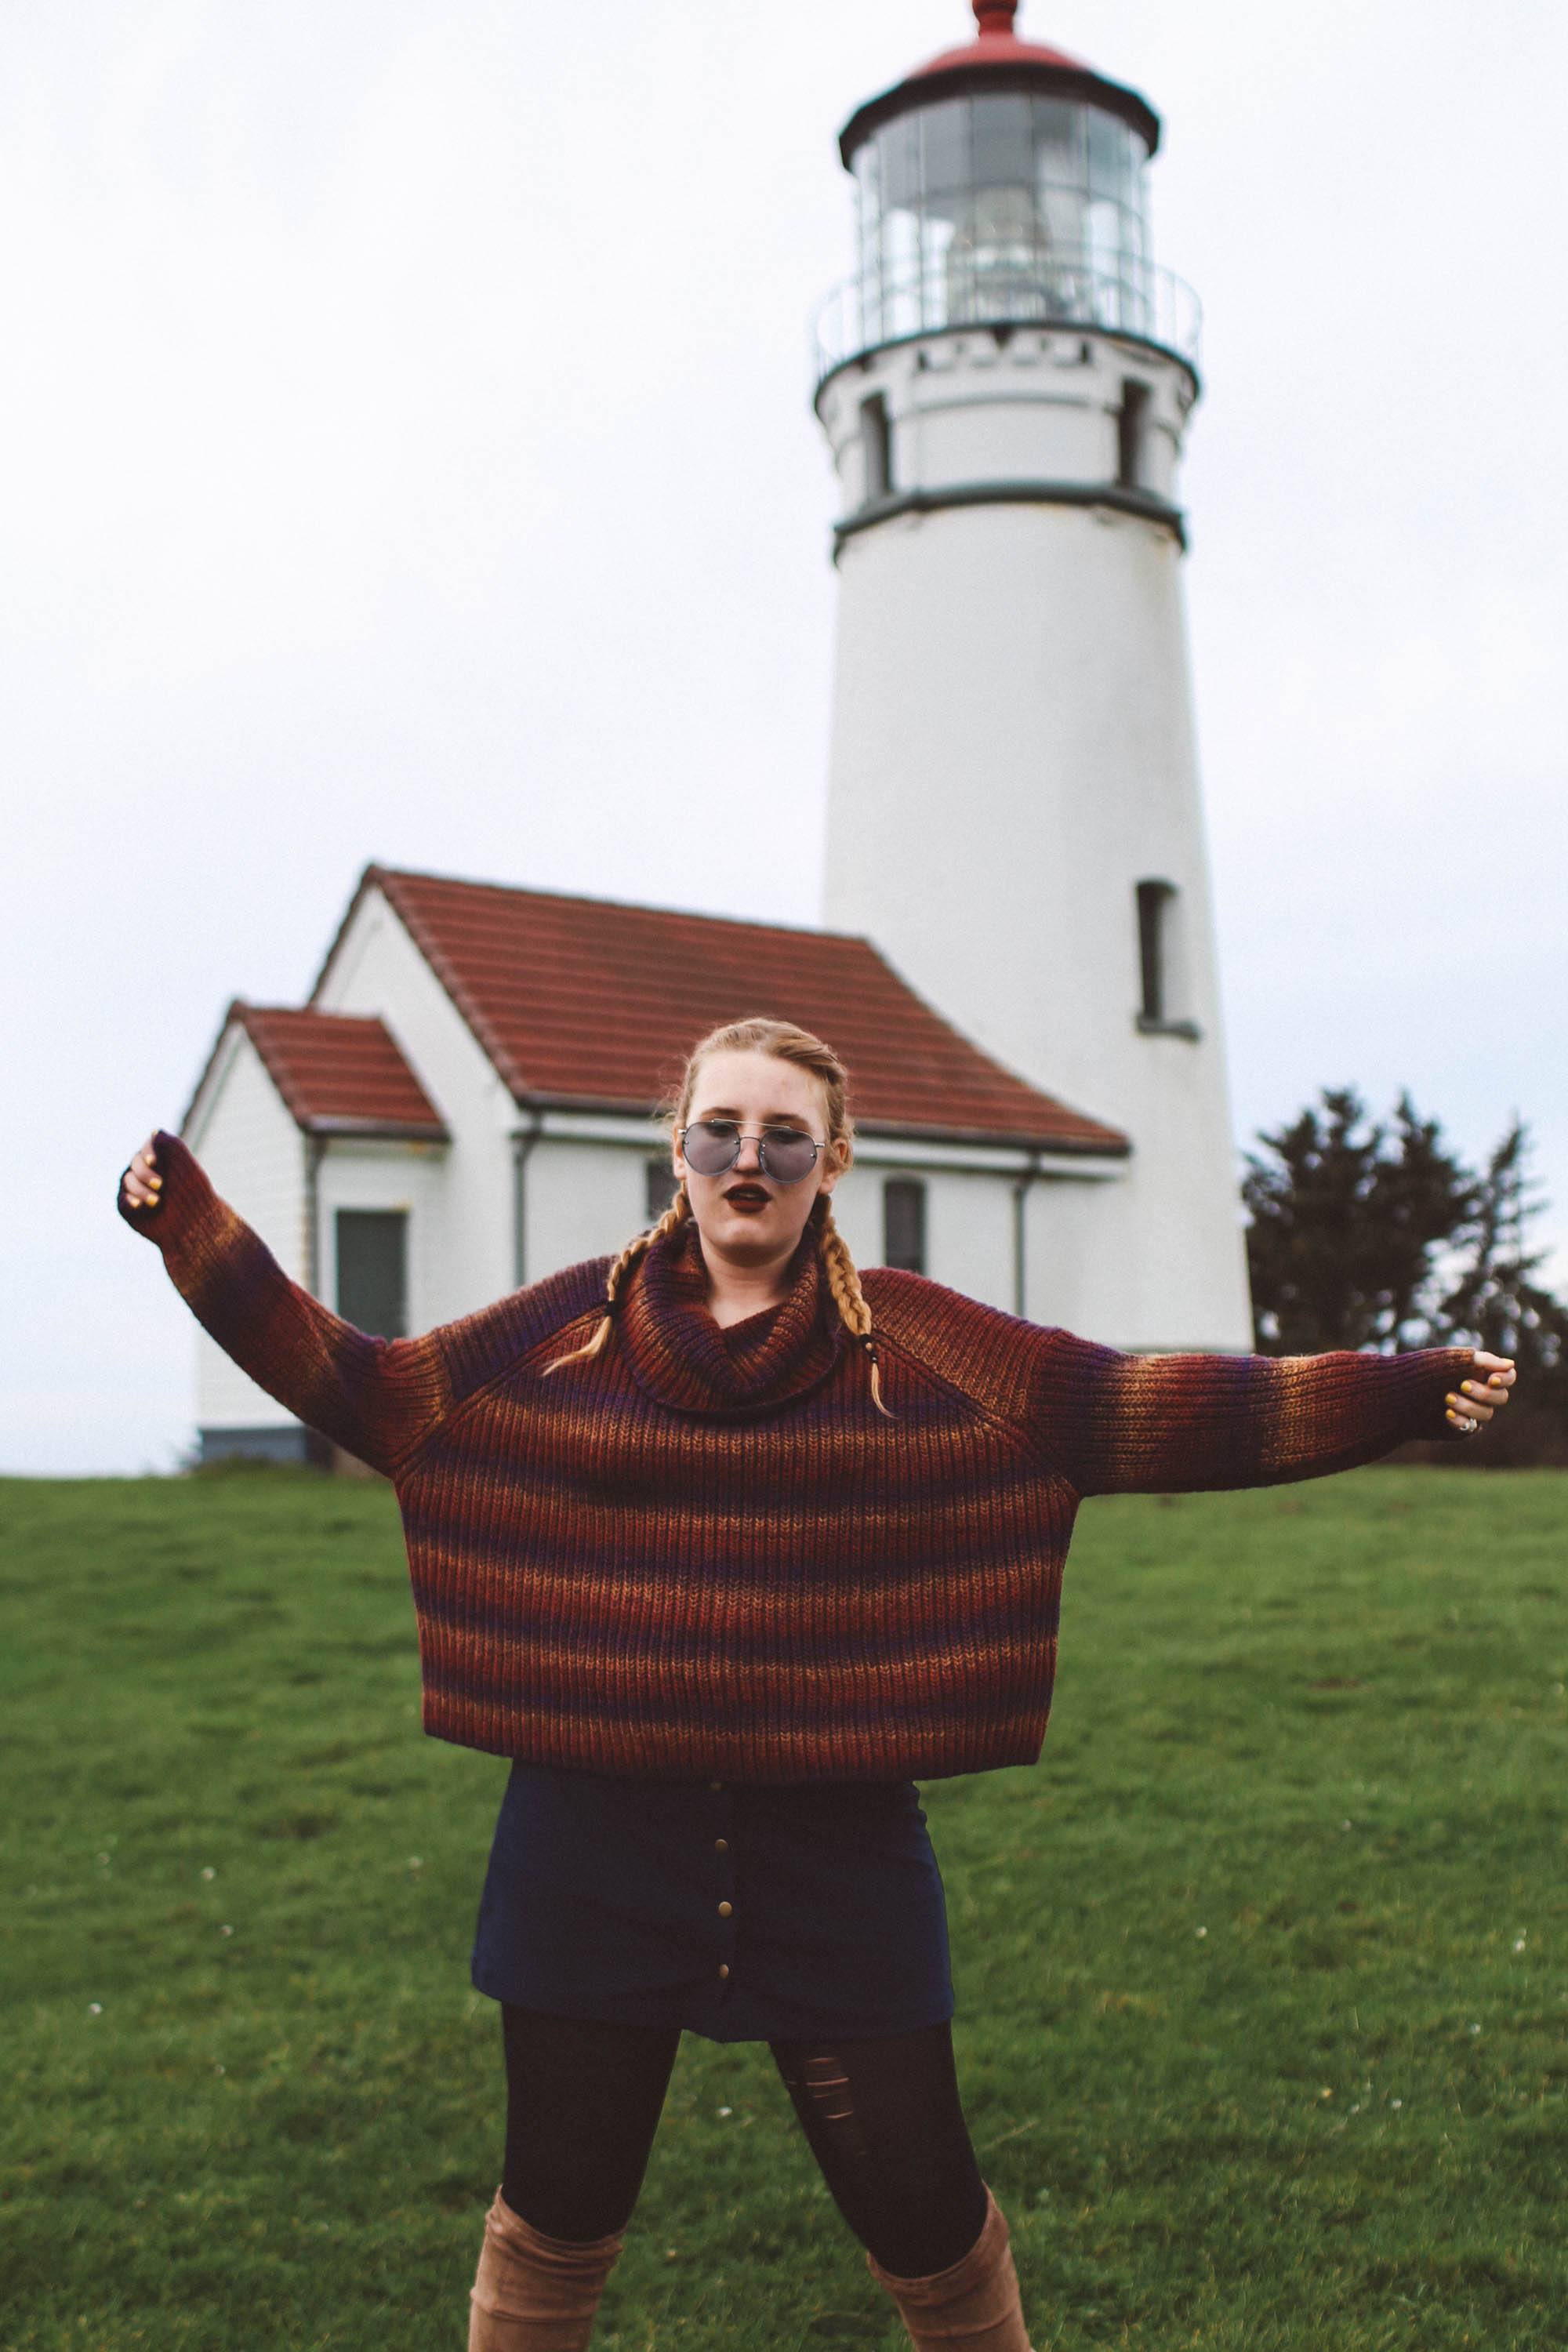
(1475, 1404)
(1472, 1406)
(141, 1184)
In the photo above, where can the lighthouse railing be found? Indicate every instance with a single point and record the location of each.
(1016, 287)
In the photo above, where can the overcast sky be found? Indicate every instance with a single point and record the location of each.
(407, 454)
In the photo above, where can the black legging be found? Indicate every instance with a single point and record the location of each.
(882, 2117)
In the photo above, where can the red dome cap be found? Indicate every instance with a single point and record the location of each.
(996, 60)
(997, 44)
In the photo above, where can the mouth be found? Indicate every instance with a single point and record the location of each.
(748, 1198)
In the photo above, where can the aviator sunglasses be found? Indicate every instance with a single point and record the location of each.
(712, 1146)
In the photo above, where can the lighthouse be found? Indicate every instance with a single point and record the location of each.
(1006, 382)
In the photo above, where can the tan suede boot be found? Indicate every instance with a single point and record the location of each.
(535, 2293)
(975, 2304)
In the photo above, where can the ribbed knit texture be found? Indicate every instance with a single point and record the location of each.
(704, 1552)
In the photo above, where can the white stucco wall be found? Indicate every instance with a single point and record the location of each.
(969, 1224)
(584, 1199)
(366, 1173)
(465, 1247)
(246, 1142)
(1012, 751)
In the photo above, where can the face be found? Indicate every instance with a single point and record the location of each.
(744, 1214)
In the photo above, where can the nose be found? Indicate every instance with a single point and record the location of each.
(749, 1163)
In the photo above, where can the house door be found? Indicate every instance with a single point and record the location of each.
(373, 1270)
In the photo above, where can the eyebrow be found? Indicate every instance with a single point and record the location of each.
(770, 1118)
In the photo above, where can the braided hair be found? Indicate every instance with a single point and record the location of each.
(785, 1042)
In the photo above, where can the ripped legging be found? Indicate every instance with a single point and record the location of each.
(882, 2117)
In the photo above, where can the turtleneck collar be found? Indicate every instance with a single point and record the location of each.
(678, 1354)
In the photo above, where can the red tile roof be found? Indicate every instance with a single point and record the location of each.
(339, 1073)
(590, 1003)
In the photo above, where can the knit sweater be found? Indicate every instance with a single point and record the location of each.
(704, 1552)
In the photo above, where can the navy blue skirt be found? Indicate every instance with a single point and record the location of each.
(741, 1913)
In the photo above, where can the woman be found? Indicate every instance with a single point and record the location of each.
(727, 1550)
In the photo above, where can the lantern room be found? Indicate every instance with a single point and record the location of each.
(1003, 183)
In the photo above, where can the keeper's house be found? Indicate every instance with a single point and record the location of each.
(467, 1103)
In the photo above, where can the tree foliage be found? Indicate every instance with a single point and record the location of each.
(1374, 1234)
(1347, 1219)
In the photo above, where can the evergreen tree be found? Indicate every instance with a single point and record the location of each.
(1346, 1224)
(1375, 1235)
(1496, 1302)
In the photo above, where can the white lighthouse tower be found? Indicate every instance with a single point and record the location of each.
(1014, 804)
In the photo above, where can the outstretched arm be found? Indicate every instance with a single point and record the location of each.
(1170, 1424)
(377, 1398)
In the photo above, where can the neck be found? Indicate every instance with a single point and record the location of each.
(736, 1289)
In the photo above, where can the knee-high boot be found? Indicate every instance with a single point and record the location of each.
(535, 2293)
(973, 2304)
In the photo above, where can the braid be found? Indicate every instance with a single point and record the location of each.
(843, 1282)
(673, 1217)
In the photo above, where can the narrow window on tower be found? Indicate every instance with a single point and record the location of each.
(661, 1183)
(904, 1224)
(373, 1270)
(1154, 897)
(1132, 433)
(876, 448)
(1159, 966)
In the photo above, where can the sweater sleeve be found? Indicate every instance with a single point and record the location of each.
(1170, 1424)
(376, 1398)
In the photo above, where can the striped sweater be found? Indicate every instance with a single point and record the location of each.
(703, 1552)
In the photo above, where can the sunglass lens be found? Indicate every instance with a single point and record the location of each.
(712, 1146)
(785, 1156)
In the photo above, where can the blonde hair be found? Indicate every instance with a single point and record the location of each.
(785, 1042)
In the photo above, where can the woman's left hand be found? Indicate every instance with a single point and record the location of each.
(1475, 1401)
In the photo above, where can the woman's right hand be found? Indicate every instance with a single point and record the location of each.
(141, 1185)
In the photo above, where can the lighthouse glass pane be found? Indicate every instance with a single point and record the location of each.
(903, 301)
(1004, 146)
(1109, 159)
(947, 160)
(867, 187)
(899, 148)
(1059, 143)
(868, 178)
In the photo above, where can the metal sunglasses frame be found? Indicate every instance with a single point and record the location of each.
(794, 1133)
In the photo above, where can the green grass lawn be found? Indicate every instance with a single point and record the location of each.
(1260, 1972)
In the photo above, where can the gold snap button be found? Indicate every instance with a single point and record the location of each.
(725, 1909)
(723, 1967)
(720, 1846)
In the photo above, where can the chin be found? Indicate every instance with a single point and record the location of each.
(760, 1236)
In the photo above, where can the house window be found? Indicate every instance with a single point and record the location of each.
(373, 1270)
(904, 1223)
(661, 1183)
(876, 448)
(1131, 433)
